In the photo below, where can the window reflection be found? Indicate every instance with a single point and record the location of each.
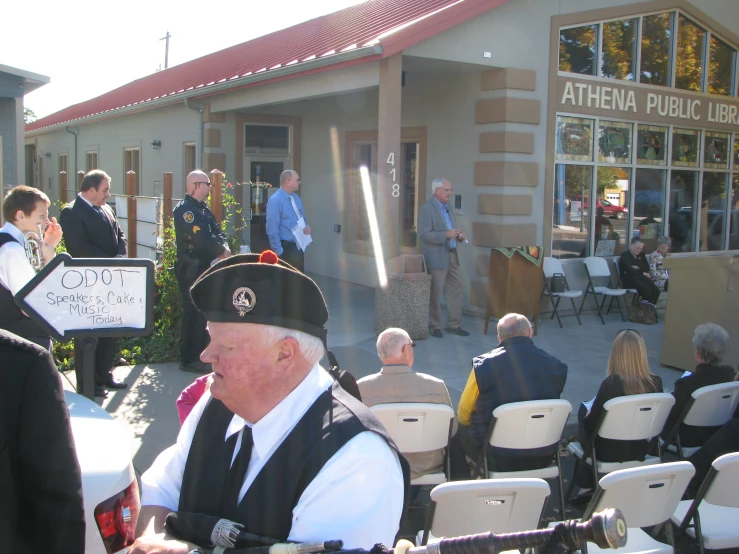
(690, 46)
(683, 190)
(734, 210)
(571, 219)
(713, 207)
(720, 67)
(619, 49)
(656, 42)
(611, 212)
(577, 49)
(409, 207)
(649, 201)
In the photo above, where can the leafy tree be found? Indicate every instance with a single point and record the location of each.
(655, 48)
(28, 116)
(577, 49)
(618, 49)
(689, 67)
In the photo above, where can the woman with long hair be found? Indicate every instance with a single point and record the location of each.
(628, 373)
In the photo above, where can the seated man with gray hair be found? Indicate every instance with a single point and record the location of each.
(514, 371)
(711, 342)
(274, 445)
(397, 382)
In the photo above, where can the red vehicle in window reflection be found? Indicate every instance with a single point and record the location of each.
(609, 208)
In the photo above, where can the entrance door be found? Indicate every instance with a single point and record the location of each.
(261, 172)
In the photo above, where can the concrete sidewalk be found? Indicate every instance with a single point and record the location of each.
(148, 406)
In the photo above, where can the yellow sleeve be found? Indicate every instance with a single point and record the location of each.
(468, 401)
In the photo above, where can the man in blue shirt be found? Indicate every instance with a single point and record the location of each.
(439, 239)
(284, 210)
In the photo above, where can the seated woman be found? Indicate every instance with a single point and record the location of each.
(658, 273)
(628, 373)
(710, 342)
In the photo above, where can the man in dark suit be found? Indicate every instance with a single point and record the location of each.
(41, 508)
(635, 274)
(439, 240)
(515, 371)
(92, 231)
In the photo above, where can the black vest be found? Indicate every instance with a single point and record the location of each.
(266, 509)
(11, 317)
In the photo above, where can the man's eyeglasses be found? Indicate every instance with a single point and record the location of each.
(412, 344)
(203, 183)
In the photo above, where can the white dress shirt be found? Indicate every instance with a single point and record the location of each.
(356, 497)
(15, 269)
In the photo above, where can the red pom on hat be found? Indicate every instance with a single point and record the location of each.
(268, 257)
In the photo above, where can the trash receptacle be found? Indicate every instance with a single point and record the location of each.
(404, 302)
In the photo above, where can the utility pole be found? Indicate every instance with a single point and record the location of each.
(166, 49)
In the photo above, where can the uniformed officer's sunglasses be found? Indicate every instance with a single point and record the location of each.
(203, 183)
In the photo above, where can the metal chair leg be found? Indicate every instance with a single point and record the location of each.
(574, 308)
(561, 487)
(600, 311)
(554, 308)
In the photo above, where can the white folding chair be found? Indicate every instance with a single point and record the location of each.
(711, 519)
(524, 426)
(470, 507)
(551, 267)
(419, 427)
(647, 496)
(710, 406)
(633, 417)
(598, 272)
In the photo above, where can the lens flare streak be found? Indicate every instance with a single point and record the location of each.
(374, 227)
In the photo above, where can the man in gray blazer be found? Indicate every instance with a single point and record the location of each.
(439, 240)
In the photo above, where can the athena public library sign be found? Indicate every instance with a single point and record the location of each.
(644, 103)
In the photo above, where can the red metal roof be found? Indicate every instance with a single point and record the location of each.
(394, 24)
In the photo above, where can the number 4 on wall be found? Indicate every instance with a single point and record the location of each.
(391, 158)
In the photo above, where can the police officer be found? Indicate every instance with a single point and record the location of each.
(199, 242)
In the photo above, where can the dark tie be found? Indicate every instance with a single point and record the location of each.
(237, 473)
(101, 213)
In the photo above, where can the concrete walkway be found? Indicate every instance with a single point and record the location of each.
(148, 406)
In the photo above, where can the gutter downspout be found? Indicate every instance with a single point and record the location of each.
(202, 129)
(76, 133)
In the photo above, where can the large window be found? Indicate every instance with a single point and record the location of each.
(665, 49)
(131, 162)
(91, 160)
(615, 180)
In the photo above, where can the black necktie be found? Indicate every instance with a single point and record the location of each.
(237, 473)
(100, 212)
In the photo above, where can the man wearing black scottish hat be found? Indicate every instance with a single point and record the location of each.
(274, 445)
(200, 240)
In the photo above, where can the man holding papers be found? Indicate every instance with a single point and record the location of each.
(288, 233)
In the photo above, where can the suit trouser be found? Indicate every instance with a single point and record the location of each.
(293, 255)
(194, 336)
(104, 356)
(449, 282)
(645, 287)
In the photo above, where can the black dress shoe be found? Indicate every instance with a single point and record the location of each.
(101, 391)
(457, 331)
(436, 333)
(111, 383)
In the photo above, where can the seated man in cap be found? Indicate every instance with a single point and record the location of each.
(274, 444)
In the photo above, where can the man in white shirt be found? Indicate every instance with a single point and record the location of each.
(274, 444)
(25, 210)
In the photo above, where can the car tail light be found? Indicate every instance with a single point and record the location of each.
(116, 518)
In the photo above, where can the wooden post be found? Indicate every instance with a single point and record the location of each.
(80, 176)
(131, 192)
(216, 194)
(62, 187)
(167, 199)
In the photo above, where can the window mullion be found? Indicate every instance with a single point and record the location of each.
(637, 49)
(706, 60)
(673, 50)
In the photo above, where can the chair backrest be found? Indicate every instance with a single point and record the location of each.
(531, 424)
(724, 489)
(713, 405)
(636, 417)
(416, 427)
(647, 495)
(597, 270)
(552, 266)
(498, 505)
(616, 262)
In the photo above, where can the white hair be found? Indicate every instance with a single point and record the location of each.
(311, 348)
(390, 343)
(437, 183)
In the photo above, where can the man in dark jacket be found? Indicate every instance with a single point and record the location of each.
(92, 231)
(635, 274)
(41, 509)
(515, 371)
(199, 242)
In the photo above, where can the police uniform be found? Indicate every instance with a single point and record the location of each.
(199, 241)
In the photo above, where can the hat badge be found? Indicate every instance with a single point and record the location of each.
(244, 300)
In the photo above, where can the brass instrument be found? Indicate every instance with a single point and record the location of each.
(34, 242)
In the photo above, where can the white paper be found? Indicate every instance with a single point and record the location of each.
(301, 239)
(686, 374)
(588, 404)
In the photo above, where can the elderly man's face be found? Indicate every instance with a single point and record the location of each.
(242, 365)
(636, 248)
(444, 192)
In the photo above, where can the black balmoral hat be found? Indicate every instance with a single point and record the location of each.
(260, 288)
